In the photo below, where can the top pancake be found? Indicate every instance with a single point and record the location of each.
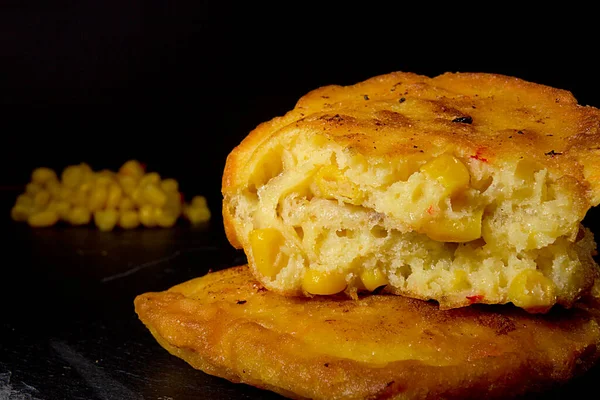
(492, 118)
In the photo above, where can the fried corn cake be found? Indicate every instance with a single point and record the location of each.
(379, 346)
(463, 188)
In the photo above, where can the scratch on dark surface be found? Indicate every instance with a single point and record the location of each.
(103, 385)
(10, 391)
(140, 267)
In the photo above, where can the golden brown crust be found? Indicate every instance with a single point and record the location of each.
(485, 116)
(379, 346)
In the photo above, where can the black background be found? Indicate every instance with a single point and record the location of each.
(176, 85)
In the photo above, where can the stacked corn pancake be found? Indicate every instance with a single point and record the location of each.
(462, 189)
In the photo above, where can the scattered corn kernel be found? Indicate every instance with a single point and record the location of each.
(33, 188)
(533, 291)
(54, 187)
(126, 204)
(455, 230)
(72, 176)
(333, 184)
(151, 177)
(106, 220)
(323, 283)
(198, 201)
(128, 183)
(132, 168)
(113, 197)
(43, 175)
(148, 215)
(79, 216)
(61, 207)
(373, 278)
(165, 218)
(97, 198)
(41, 198)
(20, 212)
(449, 171)
(169, 185)
(197, 215)
(266, 251)
(154, 195)
(24, 199)
(43, 219)
(129, 219)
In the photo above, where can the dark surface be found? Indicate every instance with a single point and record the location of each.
(94, 80)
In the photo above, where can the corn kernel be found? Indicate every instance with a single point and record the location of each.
(169, 185)
(33, 188)
(197, 215)
(79, 216)
(455, 230)
(106, 220)
(113, 196)
(198, 201)
(532, 291)
(54, 188)
(138, 196)
(24, 199)
(449, 171)
(133, 169)
(87, 184)
(174, 202)
(323, 283)
(20, 212)
(460, 280)
(126, 204)
(43, 219)
(333, 184)
(129, 219)
(152, 177)
(78, 198)
(128, 183)
(165, 218)
(97, 198)
(266, 244)
(65, 194)
(43, 175)
(154, 195)
(41, 198)
(148, 215)
(373, 278)
(61, 207)
(72, 176)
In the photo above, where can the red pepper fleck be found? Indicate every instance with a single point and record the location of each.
(478, 154)
(430, 210)
(143, 165)
(475, 298)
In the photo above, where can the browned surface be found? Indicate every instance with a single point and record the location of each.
(397, 114)
(381, 346)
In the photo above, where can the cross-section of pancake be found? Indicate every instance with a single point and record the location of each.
(463, 188)
(378, 346)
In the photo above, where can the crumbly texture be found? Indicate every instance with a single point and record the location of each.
(463, 188)
(376, 347)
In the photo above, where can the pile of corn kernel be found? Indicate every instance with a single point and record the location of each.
(128, 198)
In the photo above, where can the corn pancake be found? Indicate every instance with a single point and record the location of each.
(379, 346)
(463, 188)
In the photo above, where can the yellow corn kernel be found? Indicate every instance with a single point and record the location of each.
(152, 177)
(128, 184)
(41, 198)
(333, 184)
(113, 196)
(198, 201)
(24, 199)
(106, 220)
(169, 185)
(78, 199)
(133, 169)
(148, 215)
(154, 195)
(97, 198)
(43, 219)
(165, 218)
(174, 202)
(460, 280)
(532, 291)
(373, 278)
(65, 194)
(20, 212)
(455, 230)
(266, 244)
(61, 207)
(137, 196)
(54, 187)
(72, 176)
(129, 219)
(43, 175)
(126, 204)
(323, 283)
(449, 171)
(197, 215)
(33, 188)
(79, 216)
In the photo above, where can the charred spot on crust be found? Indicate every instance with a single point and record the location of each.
(463, 120)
